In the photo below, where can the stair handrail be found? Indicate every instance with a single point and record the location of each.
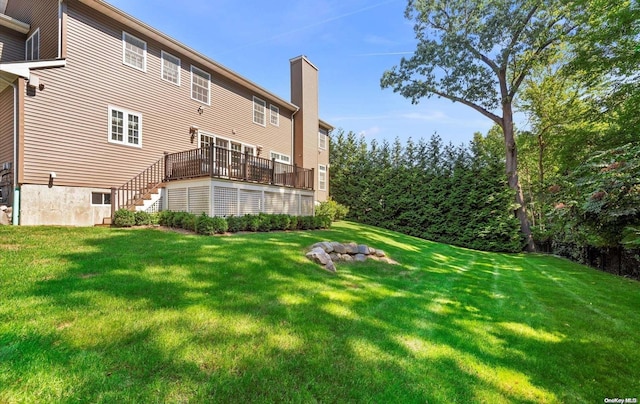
(134, 191)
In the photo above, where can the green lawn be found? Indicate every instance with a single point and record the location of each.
(143, 315)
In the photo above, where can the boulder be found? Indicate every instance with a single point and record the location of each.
(338, 248)
(330, 266)
(380, 253)
(319, 256)
(363, 249)
(325, 245)
(334, 256)
(360, 257)
(346, 258)
(352, 248)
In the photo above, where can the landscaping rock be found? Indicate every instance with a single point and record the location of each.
(5, 219)
(360, 257)
(327, 253)
(339, 248)
(352, 248)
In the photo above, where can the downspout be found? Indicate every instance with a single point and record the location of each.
(15, 208)
(59, 29)
(293, 134)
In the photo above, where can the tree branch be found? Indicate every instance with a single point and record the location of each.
(495, 118)
(516, 35)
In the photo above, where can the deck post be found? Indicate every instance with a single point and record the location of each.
(246, 165)
(313, 177)
(273, 171)
(295, 175)
(114, 201)
(212, 150)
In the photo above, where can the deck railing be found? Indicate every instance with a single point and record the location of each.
(139, 188)
(215, 162)
(218, 162)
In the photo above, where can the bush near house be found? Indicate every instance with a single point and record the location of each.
(336, 211)
(207, 225)
(124, 218)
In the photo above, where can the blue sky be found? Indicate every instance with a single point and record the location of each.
(352, 42)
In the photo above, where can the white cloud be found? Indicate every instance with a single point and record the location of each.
(372, 131)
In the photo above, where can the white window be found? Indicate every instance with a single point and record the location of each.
(274, 115)
(322, 139)
(99, 198)
(200, 85)
(259, 107)
(250, 150)
(281, 158)
(125, 127)
(322, 177)
(134, 52)
(32, 46)
(170, 68)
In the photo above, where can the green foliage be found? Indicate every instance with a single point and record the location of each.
(205, 225)
(335, 211)
(439, 192)
(142, 218)
(124, 218)
(601, 198)
(220, 225)
(237, 223)
(252, 222)
(265, 222)
(165, 217)
(293, 223)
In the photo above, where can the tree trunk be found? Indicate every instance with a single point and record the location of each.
(512, 174)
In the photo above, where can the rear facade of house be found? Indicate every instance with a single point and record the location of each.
(100, 111)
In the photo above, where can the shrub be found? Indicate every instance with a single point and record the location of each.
(264, 222)
(333, 209)
(251, 222)
(205, 225)
(124, 218)
(142, 218)
(306, 222)
(220, 225)
(236, 223)
(293, 224)
(281, 222)
(183, 220)
(322, 222)
(165, 217)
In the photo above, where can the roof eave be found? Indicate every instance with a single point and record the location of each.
(13, 24)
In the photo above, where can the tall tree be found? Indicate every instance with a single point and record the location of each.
(478, 53)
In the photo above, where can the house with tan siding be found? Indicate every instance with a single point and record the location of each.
(100, 111)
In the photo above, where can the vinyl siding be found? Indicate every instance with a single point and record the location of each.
(6, 125)
(66, 125)
(11, 45)
(41, 14)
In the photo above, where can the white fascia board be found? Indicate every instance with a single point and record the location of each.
(23, 69)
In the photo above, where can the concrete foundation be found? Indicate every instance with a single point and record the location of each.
(58, 205)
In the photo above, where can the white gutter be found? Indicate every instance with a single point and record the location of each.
(14, 24)
(14, 166)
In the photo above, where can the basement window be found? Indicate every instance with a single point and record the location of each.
(100, 198)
